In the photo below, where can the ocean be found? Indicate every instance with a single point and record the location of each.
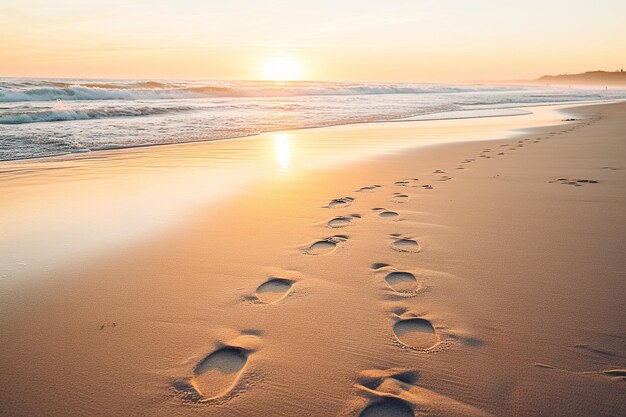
(46, 117)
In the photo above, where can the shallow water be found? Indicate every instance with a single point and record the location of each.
(52, 117)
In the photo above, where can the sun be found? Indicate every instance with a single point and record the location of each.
(282, 69)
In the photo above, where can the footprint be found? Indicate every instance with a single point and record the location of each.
(273, 290)
(218, 373)
(595, 351)
(340, 202)
(395, 393)
(617, 374)
(400, 198)
(416, 333)
(342, 221)
(325, 246)
(338, 222)
(368, 188)
(405, 245)
(388, 407)
(439, 171)
(403, 282)
(409, 182)
(386, 214)
(399, 281)
(574, 182)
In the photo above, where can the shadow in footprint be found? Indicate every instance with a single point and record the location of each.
(325, 246)
(388, 407)
(405, 245)
(386, 214)
(400, 198)
(416, 333)
(616, 374)
(575, 182)
(395, 393)
(274, 290)
(368, 188)
(409, 182)
(403, 282)
(342, 221)
(340, 202)
(218, 373)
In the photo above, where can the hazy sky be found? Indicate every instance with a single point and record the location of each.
(393, 40)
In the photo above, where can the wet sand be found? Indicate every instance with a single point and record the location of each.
(361, 270)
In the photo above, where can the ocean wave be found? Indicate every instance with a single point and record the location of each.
(67, 114)
(88, 93)
(155, 90)
(213, 110)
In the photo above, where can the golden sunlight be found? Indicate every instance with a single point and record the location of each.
(281, 147)
(282, 69)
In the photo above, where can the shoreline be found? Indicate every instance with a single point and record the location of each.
(414, 118)
(138, 178)
(512, 270)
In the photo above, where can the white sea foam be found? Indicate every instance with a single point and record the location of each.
(47, 90)
(51, 117)
(58, 114)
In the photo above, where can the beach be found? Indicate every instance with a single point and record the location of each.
(462, 267)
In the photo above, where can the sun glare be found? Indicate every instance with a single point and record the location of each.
(281, 147)
(282, 69)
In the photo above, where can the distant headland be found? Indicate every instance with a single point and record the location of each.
(592, 78)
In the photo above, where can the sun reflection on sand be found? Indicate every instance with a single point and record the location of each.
(281, 147)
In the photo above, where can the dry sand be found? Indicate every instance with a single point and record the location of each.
(470, 279)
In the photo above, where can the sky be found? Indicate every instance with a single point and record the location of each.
(329, 40)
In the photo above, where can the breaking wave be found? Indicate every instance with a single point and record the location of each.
(66, 114)
(44, 117)
(155, 90)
